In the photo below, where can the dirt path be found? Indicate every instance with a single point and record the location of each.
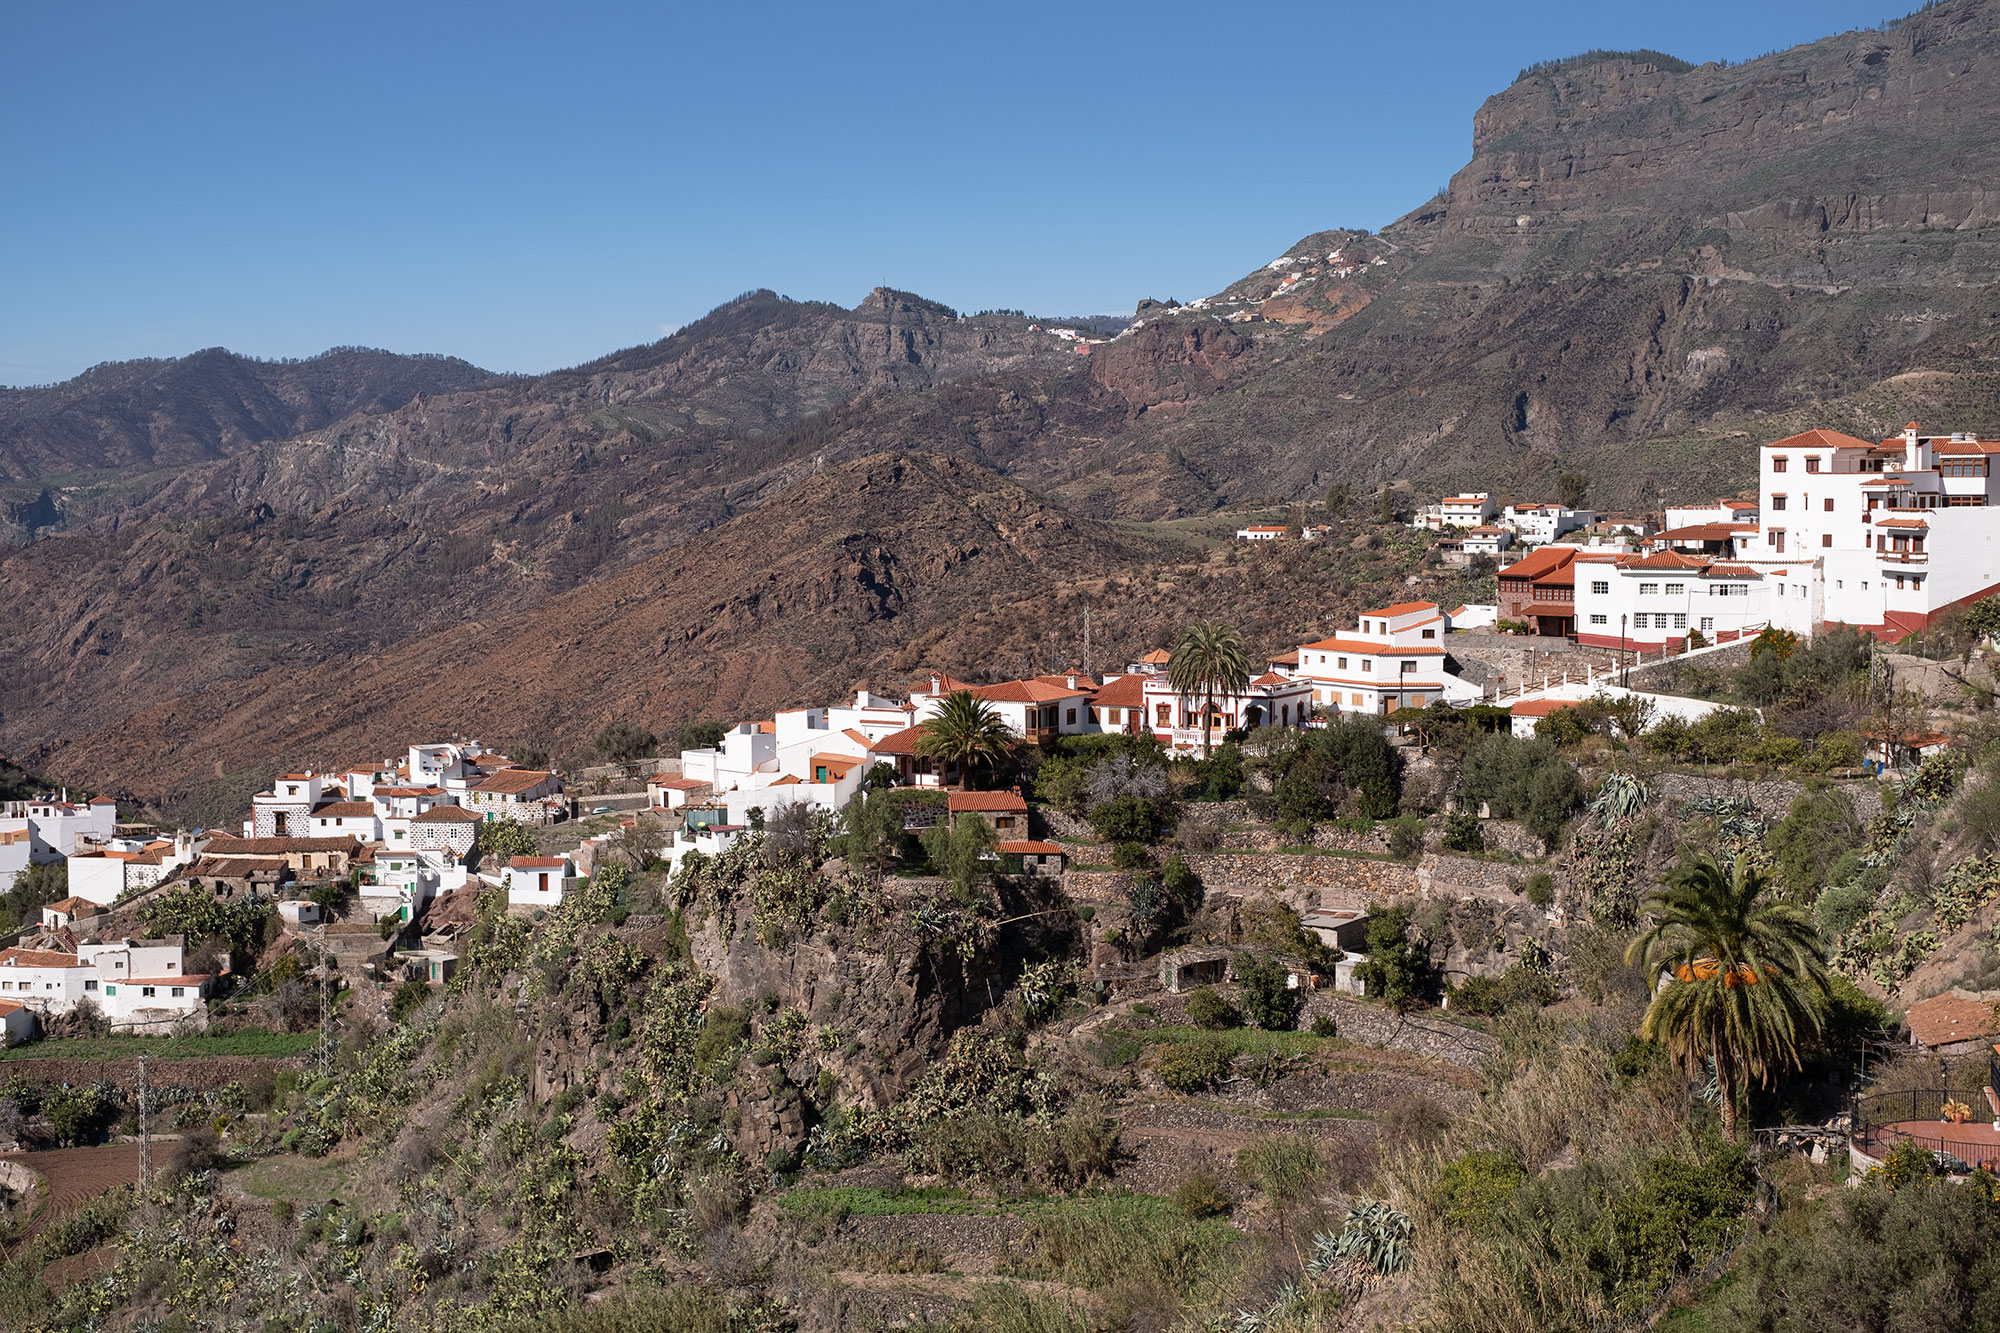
(75, 1176)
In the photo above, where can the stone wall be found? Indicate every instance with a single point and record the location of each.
(1307, 882)
(1378, 1026)
(1773, 797)
(1449, 875)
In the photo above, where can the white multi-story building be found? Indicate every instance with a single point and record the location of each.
(1471, 510)
(1393, 660)
(54, 823)
(1646, 602)
(1488, 539)
(1730, 512)
(1540, 524)
(1898, 532)
(539, 881)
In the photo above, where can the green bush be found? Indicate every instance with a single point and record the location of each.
(1406, 837)
(1132, 856)
(1201, 1195)
(1131, 818)
(1473, 1188)
(1268, 1001)
(1841, 907)
(1540, 889)
(1324, 1026)
(1463, 832)
(1518, 985)
(1193, 1066)
(1398, 970)
(1206, 1008)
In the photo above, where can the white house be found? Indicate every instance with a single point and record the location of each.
(1037, 709)
(17, 1022)
(356, 819)
(523, 795)
(56, 915)
(139, 985)
(1540, 524)
(285, 811)
(673, 793)
(104, 874)
(16, 841)
(539, 881)
(1260, 533)
(708, 839)
(56, 822)
(1391, 661)
(1269, 700)
(1644, 603)
(1486, 539)
(751, 747)
(1470, 510)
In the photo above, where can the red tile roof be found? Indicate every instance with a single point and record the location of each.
(39, 958)
(1664, 560)
(230, 847)
(1123, 691)
(1028, 848)
(1902, 523)
(681, 784)
(1272, 678)
(1541, 563)
(1024, 692)
(1819, 439)
(1950, 1017)
(344, 810)
(992, 801)
(514, 781)
(1401, 609)
(898, 742)
(1539, 707)
(1158, 657)
(537, 862)
(1292, 658)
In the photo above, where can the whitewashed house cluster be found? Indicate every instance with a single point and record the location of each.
(1884, 537)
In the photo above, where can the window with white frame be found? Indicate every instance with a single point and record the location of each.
(1600, 587)
(1597, 620)
(1676, 589)
(1680, 621)
(1649, 590)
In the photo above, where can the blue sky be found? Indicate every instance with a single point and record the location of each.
(529, 186)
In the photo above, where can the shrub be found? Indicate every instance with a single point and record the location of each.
(1406, 837)
(1324, 1026)
(1841, 907)
(1540, 889)
(1473, 1188)
(1206, 1008)
(1412, 1121)
(1518, 985)
(1463, 832)
(1398, 969)
(1286, 1167)
(1132, 856)
(1201, 1195)
(1193, 1066)
(1130, 819)
(1268, 1001)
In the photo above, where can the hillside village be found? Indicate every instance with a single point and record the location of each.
(1220, 950)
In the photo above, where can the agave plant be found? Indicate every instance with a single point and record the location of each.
(1621, 797)
(1376, 1234)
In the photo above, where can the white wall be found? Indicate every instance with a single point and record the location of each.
(101, 879)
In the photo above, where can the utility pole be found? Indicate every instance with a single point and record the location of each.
(145, 1128)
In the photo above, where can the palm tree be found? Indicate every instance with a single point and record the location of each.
(964, 732)
(1742, 977)
(1209, 659)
